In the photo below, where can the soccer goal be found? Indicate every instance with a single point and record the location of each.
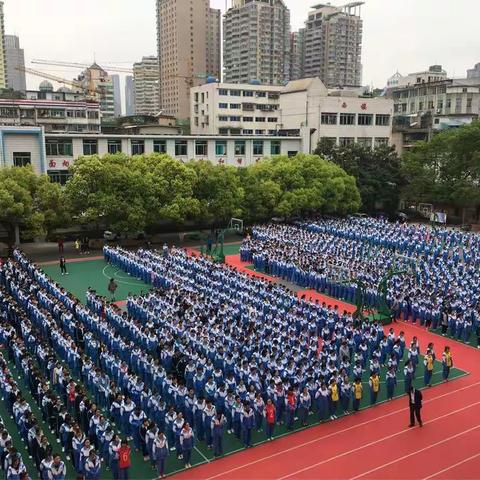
(236, 224)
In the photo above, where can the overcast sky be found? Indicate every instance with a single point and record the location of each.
(403, 35)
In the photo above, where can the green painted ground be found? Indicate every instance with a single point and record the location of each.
(232, 249)
(95, 274)
(472, 340)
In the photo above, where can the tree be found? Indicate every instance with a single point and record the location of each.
(446, 170)
(378, 172)
(218, 190)
(128, 194)
(29, 204)
(302, 185)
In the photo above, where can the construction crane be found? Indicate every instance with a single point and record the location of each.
(91, 92)
(59, 63)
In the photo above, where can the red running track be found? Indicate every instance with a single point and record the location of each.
(376, 443)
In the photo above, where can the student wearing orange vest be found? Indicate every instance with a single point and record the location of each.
(357, 388)
(447, 362)
(428, 362)
(374, 387)
(334, 397)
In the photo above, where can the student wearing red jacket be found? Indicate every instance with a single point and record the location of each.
(270, 414)
(124, 460)
(291, 407)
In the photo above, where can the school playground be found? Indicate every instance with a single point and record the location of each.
(374, 443)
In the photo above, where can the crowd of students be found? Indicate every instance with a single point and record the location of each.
(439, 286)
(254, 355)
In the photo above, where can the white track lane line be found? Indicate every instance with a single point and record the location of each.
(452, 466)
(445, 440)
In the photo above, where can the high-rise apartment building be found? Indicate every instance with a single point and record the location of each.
(3, 60)
(297, 54)
(129, 96)
(256, 42)
(15, 60)
(183, 28)
(214, 43)
(145, 74)
(474, 72)
(333, 45)
(96, 78)
(117, 97)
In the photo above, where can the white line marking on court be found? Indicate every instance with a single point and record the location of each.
(452, 466)
(208, 461)
(119, 281)
(445, 440)
(323, 437)
(388, 437)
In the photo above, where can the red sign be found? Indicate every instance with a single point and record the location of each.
(363, 106)
(52, 163)
(66, 163)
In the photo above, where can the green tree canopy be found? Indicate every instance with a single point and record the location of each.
(378, 172)
(446, 169)
(30, 202)
(127, 194)
(302, 185)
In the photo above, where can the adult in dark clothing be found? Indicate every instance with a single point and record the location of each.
(415, 402)
(63, 266)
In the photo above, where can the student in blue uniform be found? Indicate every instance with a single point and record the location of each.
(391, 382)
(248, 423)
(187, 439)
(218, 424)
(160, 453)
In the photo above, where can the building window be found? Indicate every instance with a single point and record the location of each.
(222, 118)
(239, 147)
(235, 93)
(440, 105)
(329, 118)
(235, 106)
(201, 148)
(458, 104)
(273, 119)
(261, 94)
(92, 114)
(248, 119)
(138, 147)
(22, 159)
(220, 148)
(275, 147)
(180, 148)
(248, 93)
(381, 141)
(260, 119)
(469, 102)
(235, 118)
(259, 132)
(114, 146)
(223, 91)
(59, 176)
(382, 120)
(345, 141)
(448, 104)
(430, 105)
(223, 131)
(347, 119)
(365, 119)
(247, 131)
(90, 147)
(223, 105)
(258, 147)
(160, 146)
(58, 147)
(365, 142)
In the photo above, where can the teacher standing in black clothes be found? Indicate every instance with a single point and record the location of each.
(415, 402)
